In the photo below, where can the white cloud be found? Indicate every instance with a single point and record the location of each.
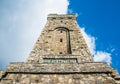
(20, 24)
(70, 10)
(90, 40)
(98, 56)
(102, 56)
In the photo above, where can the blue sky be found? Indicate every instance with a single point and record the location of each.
(22, 20)
(101, 19)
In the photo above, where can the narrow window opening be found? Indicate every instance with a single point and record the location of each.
(61, 40)
(60, 52)
(61, 31)
(69, 17)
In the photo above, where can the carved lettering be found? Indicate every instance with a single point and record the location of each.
(59, 60)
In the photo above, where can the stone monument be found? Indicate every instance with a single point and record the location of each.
(60, 56)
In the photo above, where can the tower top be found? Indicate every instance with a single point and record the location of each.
(61, 16)
(60, 40)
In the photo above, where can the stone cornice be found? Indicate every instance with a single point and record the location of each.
(90, 67)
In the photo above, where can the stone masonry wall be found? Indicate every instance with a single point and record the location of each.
(60, 56)
(61, 35)
(58, 79)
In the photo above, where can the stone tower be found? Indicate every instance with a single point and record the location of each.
(60, 56)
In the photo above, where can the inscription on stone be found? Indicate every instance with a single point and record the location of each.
(60, 60)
